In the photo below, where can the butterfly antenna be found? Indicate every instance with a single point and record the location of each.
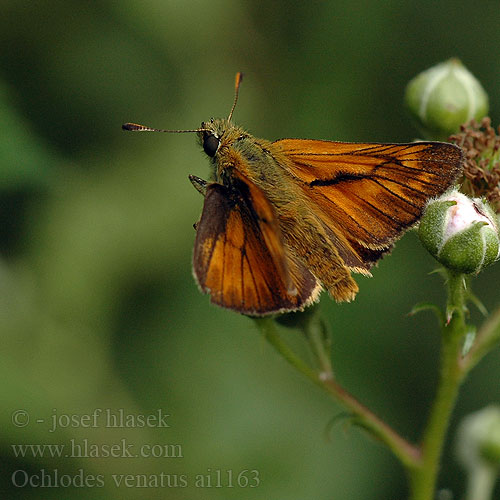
(239, 77)
(135, 127)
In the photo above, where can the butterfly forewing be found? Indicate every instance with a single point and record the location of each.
(239, 257)
(371, 192)
(260, 209)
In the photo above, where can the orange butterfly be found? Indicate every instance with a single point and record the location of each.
(283, 219)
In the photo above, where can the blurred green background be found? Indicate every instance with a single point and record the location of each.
(98, 307)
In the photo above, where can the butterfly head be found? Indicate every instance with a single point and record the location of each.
(210, 135)
(218, 133)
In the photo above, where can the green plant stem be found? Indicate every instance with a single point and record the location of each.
(407, 453)
(268, 328)
(423, 477)
(320, 341)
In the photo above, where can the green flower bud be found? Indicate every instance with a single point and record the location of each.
(461, 233)
(478, 438)
(444, 97)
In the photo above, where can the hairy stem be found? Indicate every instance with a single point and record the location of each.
(424, 476)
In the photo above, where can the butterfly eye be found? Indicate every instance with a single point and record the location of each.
(210, 144)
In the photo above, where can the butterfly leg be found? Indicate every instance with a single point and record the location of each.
(199, 184)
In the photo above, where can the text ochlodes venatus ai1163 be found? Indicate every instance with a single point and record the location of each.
(281, 220)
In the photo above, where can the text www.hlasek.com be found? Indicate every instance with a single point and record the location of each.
(87, 449)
